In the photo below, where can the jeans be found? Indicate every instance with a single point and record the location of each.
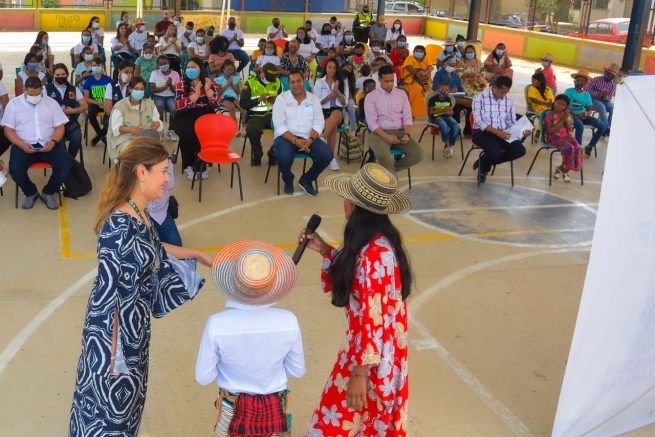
(352, 116)
(73, 134)
(381, 149)
(242, 57)
(164, 103)
(255, 125)
(496, 150)
(167, 231)
(92, 115)
(285, 153)
(19, 163)
(449, 129)
(579, 123)
(604, 107)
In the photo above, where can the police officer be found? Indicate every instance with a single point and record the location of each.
(362, 24)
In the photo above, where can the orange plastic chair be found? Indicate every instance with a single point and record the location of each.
(38, 166)
(431, 53)
(215, 132)
(280, 43)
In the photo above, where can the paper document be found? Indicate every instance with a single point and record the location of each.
(517, 129)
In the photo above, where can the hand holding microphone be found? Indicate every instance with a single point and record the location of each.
(310, 239)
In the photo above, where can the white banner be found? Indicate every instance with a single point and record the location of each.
(609, 383)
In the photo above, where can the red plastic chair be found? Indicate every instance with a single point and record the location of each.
(215, 132)
(38, 166)
(280, 43)
(476, 147)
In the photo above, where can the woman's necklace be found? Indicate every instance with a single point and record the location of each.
(153, 235)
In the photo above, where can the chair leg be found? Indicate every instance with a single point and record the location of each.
(493, 170)
(268, 170)
(243, 149)
(104, 154)
(239, 178)
(409, 176)
(461, 143)
(465, 159)
(433, 141)
(279, 176)
(479, 166)
(534, 159)
(550, 169)
(82, 156)
(422, 132)
(200, 184)
(16, 205)
(232, 175)
(581, 176)
(511, 171)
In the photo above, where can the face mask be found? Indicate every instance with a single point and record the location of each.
(147, 56)
(470, 55)
(608, 77)
(500, 52)
(88, 58)
(138, 94)
(200, 39)
(276, 24)
(401, 44)
(61, 80)
(545, 63)
(33, 99)
(232, 25)
(177, 23)
(449, 68)
(86, 39)
(44, 42)
(125, 77)
(348, 38)
(32, 66)
(96, 69)
(96, 25)
(192, 73)
(460, 43)
(578, 85)
(442, 94)
(365, 11)
(375, 49)
(449, 49)
(419, 55)
(142, 28)
(396, 26)
(164, 68)
(269, 52)
(270, 77)
(301, 36)
(227, 73)
(189, 29)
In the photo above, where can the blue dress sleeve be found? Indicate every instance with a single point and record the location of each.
(178, 283)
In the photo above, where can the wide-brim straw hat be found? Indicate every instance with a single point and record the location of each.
(613, 68)
(581, 73)
(547, 57)
(254, 272)
(372, 188)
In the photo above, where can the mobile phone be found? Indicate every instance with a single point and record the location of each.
(37, 147)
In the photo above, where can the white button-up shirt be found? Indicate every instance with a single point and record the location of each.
(34, 123)
(250, 349)
(299, 119)
(489, 111)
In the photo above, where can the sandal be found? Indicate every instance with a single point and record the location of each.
(566, 178)
(558, 173)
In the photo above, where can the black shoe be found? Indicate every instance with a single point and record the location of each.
(288, 188)
(476, 164)
(95, 140)
(587, 151)
(607, 133)
(307, 187)
(482, 178)
(255, 162)
(272, 161)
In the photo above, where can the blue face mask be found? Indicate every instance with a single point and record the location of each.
(401, 44)
(545, 64)
(88, 58)
(200, 39)
(419, 55)
(442, 94)
(470, 55)
(164, 68)
(138, 94)
(348, 38)
(96, 69)
(500, 52)
(449, 49)
(44, 42)
(86, 39)
(192, 73)
(32, 66)
(269, 52)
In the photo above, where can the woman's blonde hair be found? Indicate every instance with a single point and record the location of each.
(122, 176)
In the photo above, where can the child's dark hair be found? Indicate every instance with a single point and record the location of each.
(368, 82)
(227, 63)
(365, 70)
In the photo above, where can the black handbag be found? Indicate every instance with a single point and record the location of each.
(173, 207)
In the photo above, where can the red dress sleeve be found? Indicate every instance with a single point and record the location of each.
(182, 101)
(326, 284)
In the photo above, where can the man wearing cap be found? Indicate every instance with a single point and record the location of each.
(602, 89)
(236, 39)
(138, 38)
(378, 30)
(162, 25)
(298, 120)
(581, 106)
(257, 97)
(362, 24)
(448, 51)
(389, 118)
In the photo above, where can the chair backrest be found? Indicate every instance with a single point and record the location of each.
(431, 53)
(472, 122)
(528, 105)
(215, 130)
(428, 96)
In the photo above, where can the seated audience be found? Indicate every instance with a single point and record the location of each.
(236, 39)
(558, 125)
(198, 48)
(163, 83)
(229, 88)
(86, 42)
(539, 95)
(441, 107)
(218, 54)
(145, 65)
(138, 38)
(602, 89)
(31, 63)
(95, 89)
(333, 93)
(548, 71)
(118, 89)
(498, 63)
(170, 45)
(120, 45)
(581, 106)
(269, 57)
(416, 80)
(83, 69)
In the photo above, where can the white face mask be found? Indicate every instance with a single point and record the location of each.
(125, 77)
(96, 25)
(450, 68)
(33, 99)
(147, 56)
(142, 28)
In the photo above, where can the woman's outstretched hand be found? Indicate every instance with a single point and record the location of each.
(316, 243)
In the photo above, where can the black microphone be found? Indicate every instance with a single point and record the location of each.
(312, 224)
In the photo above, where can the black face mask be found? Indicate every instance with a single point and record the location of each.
(61, 80)
(232, 25)
(276, 24)
(270, 77)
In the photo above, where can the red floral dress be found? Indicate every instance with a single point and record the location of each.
(376, 336)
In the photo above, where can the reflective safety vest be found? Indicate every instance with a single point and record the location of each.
(257, 89)
(364, 19)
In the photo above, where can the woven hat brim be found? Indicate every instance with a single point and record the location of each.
(224, 268)
(341, 185)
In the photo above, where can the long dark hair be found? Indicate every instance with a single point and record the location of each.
(39, 37)
(349, 76)
(118, 31)
(542, 83)
(496, 57)
(361, 228)
(307, 38)
(90, 25)
(186, 82)
(337, 75)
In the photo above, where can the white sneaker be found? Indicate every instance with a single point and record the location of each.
(334, 165)
(205, 174)
(448, 152)
(188, 173)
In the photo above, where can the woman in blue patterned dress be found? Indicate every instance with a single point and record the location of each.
(137, 276)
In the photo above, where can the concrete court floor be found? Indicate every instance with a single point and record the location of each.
(499, 272)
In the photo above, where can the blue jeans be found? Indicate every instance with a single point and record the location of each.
(167, 231)
(242, 57)
(73, 134)
(164, 103)
(285, 153)
(604, 107)
(449, 129)
(19, 163)
(579, 123)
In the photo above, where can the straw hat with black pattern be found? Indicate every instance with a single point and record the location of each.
(254, 272)
(372, 188)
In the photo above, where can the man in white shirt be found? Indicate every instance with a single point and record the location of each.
(34, 124)
(276, 31)
(298, 122)
(309, 29)
(198, 48)
(138, 38)
(186, 35)
(236, 39)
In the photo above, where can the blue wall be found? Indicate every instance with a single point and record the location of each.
(290, 5)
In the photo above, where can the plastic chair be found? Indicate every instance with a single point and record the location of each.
(38, 166)
(299, 155)
(343, 131)
(215, 132)
(476, 147)
(369, 156)
(280, 43)
(546, 146)
(434, 129)
(432, 51)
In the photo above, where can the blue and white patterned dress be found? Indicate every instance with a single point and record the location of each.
(109, 401)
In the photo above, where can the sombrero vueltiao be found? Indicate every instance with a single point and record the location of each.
(372, 188)
(254, 272)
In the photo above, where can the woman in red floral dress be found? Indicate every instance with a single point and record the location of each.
(370, 277)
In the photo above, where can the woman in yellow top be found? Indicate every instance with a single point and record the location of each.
(416, 79)
(540, 95)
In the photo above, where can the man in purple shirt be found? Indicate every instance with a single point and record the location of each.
(493, 115)
(602, 89)
(389, 118)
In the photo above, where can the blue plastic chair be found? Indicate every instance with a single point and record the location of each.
(369, 156)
